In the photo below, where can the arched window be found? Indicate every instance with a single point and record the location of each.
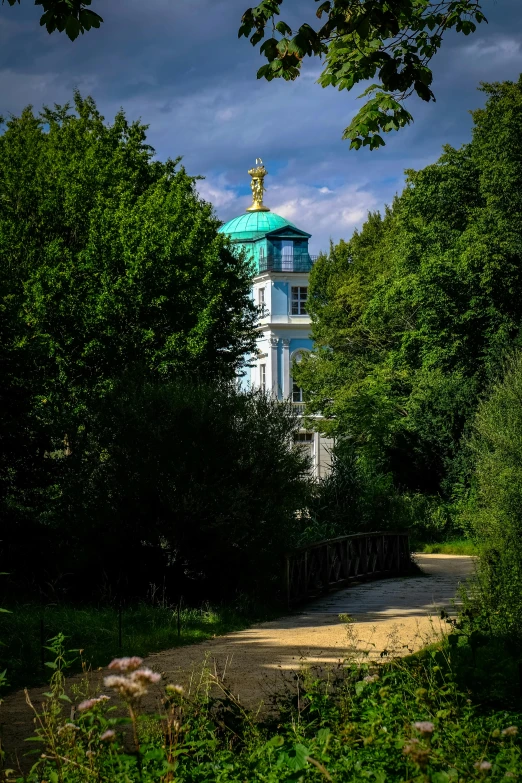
(297, 392)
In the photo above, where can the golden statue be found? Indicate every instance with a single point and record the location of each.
(258, 187)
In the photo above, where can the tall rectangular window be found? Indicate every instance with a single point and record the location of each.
(299, 297)
(261, 295)
(297, 393)
(262, 376)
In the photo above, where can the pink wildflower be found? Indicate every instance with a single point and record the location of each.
(145, 675)
(127, 688)
(108, 736)
(172, 689)
(126, 664)
(511, 731)
(88, 704)
(424, 727)
(483, 766)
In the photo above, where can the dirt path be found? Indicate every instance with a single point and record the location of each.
(397, 615)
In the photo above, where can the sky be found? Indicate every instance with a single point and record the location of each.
(179, 66)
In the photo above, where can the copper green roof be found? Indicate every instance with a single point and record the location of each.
(253, 225)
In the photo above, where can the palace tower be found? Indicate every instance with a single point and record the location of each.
(282, 264)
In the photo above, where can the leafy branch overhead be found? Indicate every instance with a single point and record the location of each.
(70, 16)
(361, 40)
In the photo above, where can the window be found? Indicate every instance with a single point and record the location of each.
(297, 393)
(303, 437)
(261, 296)
(299, 297)
(262, 376)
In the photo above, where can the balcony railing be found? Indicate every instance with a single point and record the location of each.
(298, 262)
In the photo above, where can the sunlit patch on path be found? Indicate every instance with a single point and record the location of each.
(394, 616)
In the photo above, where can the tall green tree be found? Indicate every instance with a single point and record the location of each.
(412, 316)
(111, 270)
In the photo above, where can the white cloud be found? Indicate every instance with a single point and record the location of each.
(218, 193)
(324, 212)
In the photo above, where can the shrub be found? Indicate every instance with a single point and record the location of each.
(493, 510)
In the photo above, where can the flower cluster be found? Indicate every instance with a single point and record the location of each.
(371, 678)
(125, 665)
(511, 731)
(174, 690)
(131, 685)
(424, 727)
(88, 704)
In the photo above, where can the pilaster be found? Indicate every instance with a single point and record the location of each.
(274, 380)
(286, 368)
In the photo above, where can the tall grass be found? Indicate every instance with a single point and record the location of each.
(96, 631)
(457, 546)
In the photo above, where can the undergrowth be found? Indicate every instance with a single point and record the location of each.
(96, 630)
(412, 720)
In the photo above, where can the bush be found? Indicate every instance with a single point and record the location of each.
(493, 510)
(359, 495)
(191, 484)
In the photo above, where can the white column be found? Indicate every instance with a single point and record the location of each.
(286, 368)
(317, 455)
(274, 380)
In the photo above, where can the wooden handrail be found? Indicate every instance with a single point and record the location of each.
(324, 565)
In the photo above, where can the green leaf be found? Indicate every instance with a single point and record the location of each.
(73, 27)
(283, 28)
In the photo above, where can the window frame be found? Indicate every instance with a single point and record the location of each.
(298, 300)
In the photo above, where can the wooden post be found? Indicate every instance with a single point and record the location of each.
(326, 577)
(42, 640)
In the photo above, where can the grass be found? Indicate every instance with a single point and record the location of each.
(96, 631)
(459, 546)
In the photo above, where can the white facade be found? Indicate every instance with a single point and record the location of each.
(284, 335)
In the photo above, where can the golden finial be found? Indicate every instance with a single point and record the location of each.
(258, 187)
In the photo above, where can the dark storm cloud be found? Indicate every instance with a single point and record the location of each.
(180, 67)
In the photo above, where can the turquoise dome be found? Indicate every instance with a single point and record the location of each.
(253, 225)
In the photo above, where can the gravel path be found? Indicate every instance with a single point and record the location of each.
(394, 615)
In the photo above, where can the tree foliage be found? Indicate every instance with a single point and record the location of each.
(412, 316)
(70, 16)
(361, 40)
(115, 286)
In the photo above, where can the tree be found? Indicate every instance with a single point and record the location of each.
(111, 268)
(194, 483)
(360, 40)
(412, 316)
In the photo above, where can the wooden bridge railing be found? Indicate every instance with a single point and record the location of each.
(325, 565)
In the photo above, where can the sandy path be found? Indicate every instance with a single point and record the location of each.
(398, 615)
